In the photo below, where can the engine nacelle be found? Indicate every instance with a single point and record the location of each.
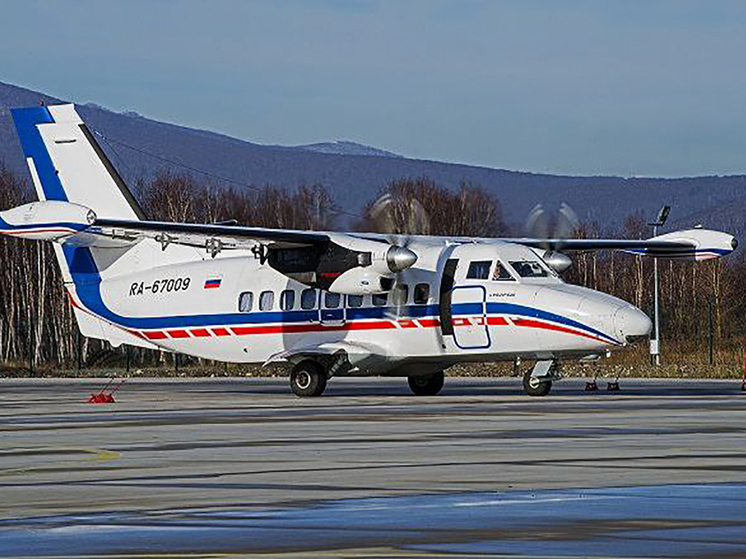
(48, 220)
(361, 281)
(557, 261)
(346, 264)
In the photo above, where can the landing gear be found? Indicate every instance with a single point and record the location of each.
(538, 381)
(308, 378)
(426, 385)
(534, 386)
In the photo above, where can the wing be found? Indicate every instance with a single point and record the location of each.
(204, 236)
(692, 243)
(567, 245)
(697, 243)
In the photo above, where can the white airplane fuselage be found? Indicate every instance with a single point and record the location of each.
(201, 307)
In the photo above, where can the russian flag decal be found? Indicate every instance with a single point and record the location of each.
(213, 282)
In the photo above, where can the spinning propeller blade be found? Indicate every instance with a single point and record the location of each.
(399, 218)
(565, 223)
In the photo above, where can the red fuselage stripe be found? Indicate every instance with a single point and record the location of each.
(351, 326)
(546, 326)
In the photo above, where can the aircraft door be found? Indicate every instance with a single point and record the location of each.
(446, 294)
(331, 310)
(470, 317)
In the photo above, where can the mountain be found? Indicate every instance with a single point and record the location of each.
(344, 147)
(141, 147)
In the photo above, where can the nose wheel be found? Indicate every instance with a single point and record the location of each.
(308, 378)
(538, 381)
(534, 386)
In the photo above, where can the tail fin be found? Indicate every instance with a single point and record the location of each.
(67, 164)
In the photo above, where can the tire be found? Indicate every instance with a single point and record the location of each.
(535, 387)
(308, 378)
(426, 385)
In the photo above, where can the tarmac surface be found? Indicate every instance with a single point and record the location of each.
(214, 468)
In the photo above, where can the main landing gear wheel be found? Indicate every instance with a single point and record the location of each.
(308, 378)
(426, 385)
(534, 386)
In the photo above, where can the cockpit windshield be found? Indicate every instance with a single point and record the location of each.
(529, 268)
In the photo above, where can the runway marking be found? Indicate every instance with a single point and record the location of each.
(92, 453)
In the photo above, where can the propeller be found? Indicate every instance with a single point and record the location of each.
(565, 223)
(399, 218)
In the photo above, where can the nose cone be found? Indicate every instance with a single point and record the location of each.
(400, 258)
(631, 323)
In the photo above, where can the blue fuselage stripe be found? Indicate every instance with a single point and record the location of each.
(88, 288)
(520, 310)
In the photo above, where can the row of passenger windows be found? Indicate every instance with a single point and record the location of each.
(309, 299)
(480, 270)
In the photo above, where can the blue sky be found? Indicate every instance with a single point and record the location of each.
(630, 87)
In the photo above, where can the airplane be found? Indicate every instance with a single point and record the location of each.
(329, 304)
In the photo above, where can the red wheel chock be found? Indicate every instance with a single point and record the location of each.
(102, 397)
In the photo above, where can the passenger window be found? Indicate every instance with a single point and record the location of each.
(245, 301)
(332, 300)
(529, 269)
(266, 300)
(380, 300)
(287, 300)
(400, 295)
(308, 299)
(479, 270)
(501, 273)
(421, 293)
(354, 300)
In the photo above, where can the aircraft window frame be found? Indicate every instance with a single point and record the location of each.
(266, 300)
(337, 303)
(478, 265)
(499, 265)
(358, 301)
(524, 262)
(304, 297)
(242, 297)
(421, 294)
(380, 299)
(287, 296)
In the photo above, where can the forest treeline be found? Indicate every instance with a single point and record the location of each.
(37, 327)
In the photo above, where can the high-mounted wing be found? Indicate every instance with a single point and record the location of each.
(210, 236)
(697, 244)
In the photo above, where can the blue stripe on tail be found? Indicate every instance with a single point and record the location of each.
(33, 146)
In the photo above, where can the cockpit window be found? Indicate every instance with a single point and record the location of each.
(479, 270)
(501, 273)
(529, 269)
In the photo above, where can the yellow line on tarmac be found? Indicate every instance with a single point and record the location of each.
(91, 454)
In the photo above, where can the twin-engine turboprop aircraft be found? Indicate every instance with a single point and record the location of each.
(330, 303)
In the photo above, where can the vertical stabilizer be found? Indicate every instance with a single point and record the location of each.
(66, 163)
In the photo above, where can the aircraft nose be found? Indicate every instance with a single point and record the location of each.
(632, 323)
